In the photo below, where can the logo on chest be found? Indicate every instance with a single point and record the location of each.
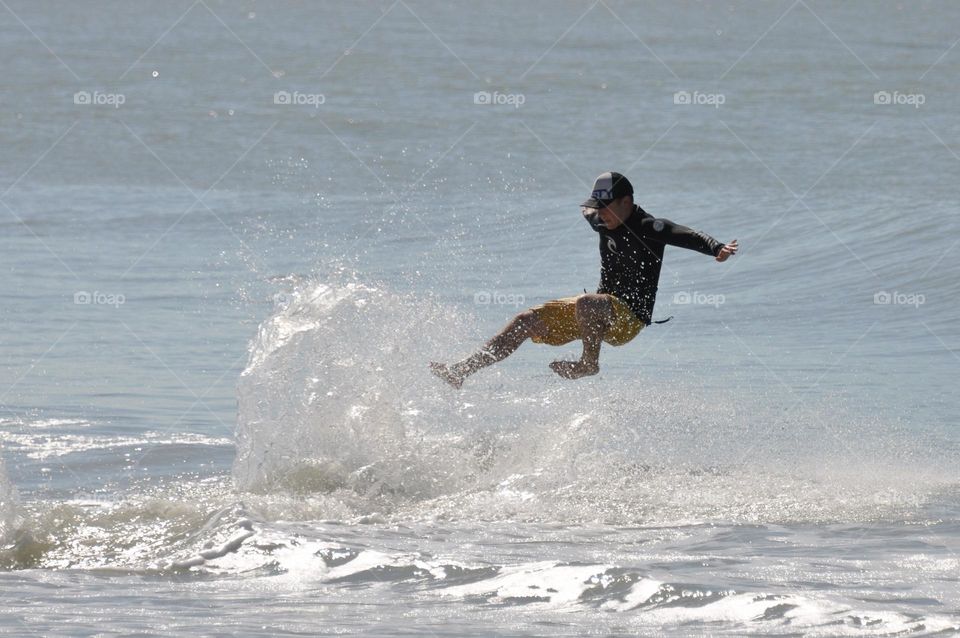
(612, 246)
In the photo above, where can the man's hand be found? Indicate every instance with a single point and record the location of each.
(728, 251)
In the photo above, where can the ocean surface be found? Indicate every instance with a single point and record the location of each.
(235, 233)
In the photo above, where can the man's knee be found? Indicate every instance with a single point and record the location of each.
(594, 307)
(529, 324)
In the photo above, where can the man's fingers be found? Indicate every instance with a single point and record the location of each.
(728, 250)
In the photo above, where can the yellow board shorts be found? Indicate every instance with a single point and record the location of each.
(560, 316)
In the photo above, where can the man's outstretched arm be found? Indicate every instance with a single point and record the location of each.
(677, 235)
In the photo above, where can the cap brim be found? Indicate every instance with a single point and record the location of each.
(595, 203)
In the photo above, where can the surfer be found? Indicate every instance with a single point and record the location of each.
(631, 253)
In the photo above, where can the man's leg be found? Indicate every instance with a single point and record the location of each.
(524, 325)
(594, 316)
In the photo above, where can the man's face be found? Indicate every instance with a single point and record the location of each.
(614, 213)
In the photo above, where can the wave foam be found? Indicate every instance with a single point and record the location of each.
(336, 400)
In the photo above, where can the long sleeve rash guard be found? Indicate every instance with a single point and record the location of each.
(631, 256)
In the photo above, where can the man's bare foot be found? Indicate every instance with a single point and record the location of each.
(442, 371)
(574, 369)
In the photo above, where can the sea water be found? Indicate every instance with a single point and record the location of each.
(235, 234)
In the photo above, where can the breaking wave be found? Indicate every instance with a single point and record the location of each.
(336, 402)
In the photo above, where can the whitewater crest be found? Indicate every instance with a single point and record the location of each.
(337, 399)
(333, 393)
(337, 403)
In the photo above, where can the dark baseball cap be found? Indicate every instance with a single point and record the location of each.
(606, 188)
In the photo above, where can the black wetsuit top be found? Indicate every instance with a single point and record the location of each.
(631, 255)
